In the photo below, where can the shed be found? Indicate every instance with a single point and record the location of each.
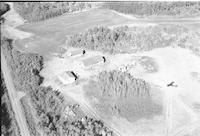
(67, 77)
(76, 53)
(94, 61)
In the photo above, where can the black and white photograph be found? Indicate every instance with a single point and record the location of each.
(100, 68)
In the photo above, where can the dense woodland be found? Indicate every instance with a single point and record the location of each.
(37, 11)
(117, 93)
(149, 8)
(4, 8)
(122, 84)
(128, 38)
(49, 104)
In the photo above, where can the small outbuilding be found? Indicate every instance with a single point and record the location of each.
(92, 61)
(78, 52)
(67, 77)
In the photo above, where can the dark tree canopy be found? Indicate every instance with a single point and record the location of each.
(148, 8)
(37, 11)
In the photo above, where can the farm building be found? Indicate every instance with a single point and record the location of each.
(94, 61)
(74, 53)
(67, 77)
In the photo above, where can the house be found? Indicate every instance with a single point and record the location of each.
(67, 77)
(93, 61)
(74, 53)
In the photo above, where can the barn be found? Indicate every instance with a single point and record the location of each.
(93, 61)
(74, 53)
(67, 77)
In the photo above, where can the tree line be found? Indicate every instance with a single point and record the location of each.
(122, 84)
(49, 104)
(37, 11)
(126, 38)
(4, 7)
(98, 38)
(117, 93)
(148, 8)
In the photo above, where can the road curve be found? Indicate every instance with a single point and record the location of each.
(16, 105)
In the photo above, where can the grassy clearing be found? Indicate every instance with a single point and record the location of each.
(148, 64)
(52, 33)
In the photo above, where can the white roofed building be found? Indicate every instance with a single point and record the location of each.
(67, 77)
(93, 61)
(76, 53)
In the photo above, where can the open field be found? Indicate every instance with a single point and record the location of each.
(52, 33)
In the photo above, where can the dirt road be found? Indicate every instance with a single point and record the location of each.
(16, 105)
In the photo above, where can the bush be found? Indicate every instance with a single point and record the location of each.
(155, 8)
(37, 11)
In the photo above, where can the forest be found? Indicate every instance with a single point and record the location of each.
(117, 93)
(49, 104)
(125, 38)
(3, 9)
(122, 84)
(37, 11)
(149, 8)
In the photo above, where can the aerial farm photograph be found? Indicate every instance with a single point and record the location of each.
(103, 68)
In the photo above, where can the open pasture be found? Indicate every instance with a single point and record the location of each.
(51, 33)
